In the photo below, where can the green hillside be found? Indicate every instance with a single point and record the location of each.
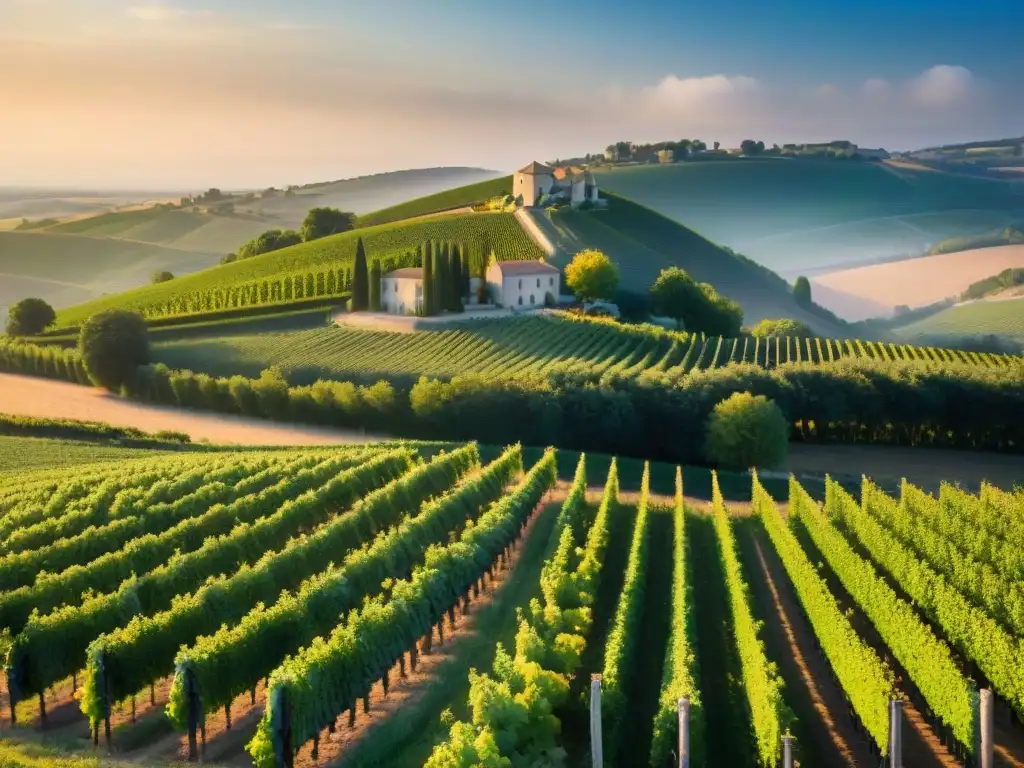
(479, 233)
(1004, 317)
(799, 215)
(508, 347)
(442, 201)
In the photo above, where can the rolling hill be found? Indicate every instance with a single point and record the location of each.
(804, 216)
(1001, 317)
(107, 242)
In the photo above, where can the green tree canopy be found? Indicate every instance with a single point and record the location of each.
(697, 307)
(802, 291)
(591, 275)
(360, 280)
(161, 276)
(746, 431)
(271, 240)
(113, 344)
(375, 275)
(321, 222)
(782, 326)
(29, 317)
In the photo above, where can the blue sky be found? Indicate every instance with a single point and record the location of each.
(195, 92)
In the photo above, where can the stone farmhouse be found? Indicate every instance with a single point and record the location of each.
(537, 183)
(512, 284)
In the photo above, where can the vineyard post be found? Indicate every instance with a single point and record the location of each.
(596, 751)
(193, 715)
(787, 751)
(896, 733)
(987, 726)
(106, 706)
(684, 732)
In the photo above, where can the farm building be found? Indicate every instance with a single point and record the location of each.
(536, 182)
(401, 291)
(523, 284)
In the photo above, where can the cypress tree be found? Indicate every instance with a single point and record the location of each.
(360, 280)
(456, 281)
(428, 281)
(464, 283)
(375, 274)
(442, 270)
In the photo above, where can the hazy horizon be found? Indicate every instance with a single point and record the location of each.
(187, 94)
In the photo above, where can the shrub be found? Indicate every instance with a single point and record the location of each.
(746, 431)
(113, 344)
(782, 326)
(29, 317)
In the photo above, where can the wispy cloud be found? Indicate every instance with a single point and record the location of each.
(162, 12)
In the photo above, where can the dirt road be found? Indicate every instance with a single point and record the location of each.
(29, 396)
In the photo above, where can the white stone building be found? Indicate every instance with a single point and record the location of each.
(522, 284)
(401, 291)
(537, 181)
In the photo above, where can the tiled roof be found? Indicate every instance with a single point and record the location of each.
(531, 267)
(536, 169)
(406, 273)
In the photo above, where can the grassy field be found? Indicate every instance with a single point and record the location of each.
(1001, 317)
(478, 233)
(441, 201)
(917, 282)
(507, 347)
(21, 454)
(802, 215)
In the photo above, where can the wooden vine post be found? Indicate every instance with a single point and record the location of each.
(896, 734)
(987, 726)
(596, 750)
(106, 706)
(684, 732)
(787, 750)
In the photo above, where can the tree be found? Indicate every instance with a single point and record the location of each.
(782, 326)
(745, 431)
(29, 317)
(751, 147)
(161, 276)
(271, 240)
(360, 280)
(442, 277)
(723, 316)
(802, 291)
(591, 275)
(717, 145)
(321, 222)
(375, 275)
(457, 281)
(113, 344)
(428, 280)
(675, 294)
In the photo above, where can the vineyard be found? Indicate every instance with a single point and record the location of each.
(314, 269)
(1004, 317)
(409, 604)
(526, 345)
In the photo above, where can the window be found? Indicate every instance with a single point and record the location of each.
(551, 281)
(520, 301)
(532, 302)
(520, 283)
(538, 282)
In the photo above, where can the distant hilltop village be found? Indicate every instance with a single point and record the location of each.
(628, 152)
(536, 184)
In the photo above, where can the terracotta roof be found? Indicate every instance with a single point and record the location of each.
(536, 169)
(531, 267)
(406, 273)
(559, 173)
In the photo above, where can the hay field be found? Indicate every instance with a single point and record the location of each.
(919, 282)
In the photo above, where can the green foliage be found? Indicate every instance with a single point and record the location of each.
(928, 660)
(460, 197)
(375, 276)
(370, 640)
(802, 291)
(112, 345)
(591, 275)
(161, 276)
(761, 681)
(697, 307)
(975, 634)
(29, 317)
(321, 222)
(747, 431)
(865, 678)
(782, 326)
(679, 678)
(271, 240)
(360, 280)
(620, 651)
(429, 282)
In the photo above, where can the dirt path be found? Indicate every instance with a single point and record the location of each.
(30, 396)
(826, 733)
